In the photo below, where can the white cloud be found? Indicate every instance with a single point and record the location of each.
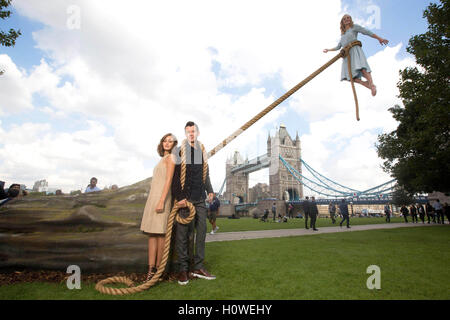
(15, 97)
(146, 70)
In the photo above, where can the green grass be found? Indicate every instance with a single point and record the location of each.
(413, 262)
(250, 224)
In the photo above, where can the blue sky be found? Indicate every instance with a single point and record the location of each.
(236, 83)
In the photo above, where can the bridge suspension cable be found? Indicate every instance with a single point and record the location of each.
(328, 190)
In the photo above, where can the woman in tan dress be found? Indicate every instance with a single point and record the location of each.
(158, 205)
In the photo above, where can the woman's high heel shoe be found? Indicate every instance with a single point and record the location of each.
(151, 273)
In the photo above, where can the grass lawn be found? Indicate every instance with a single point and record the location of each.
(250, 224)
(325, 266)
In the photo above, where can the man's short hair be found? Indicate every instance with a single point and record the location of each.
(94, 178)
(190, 124)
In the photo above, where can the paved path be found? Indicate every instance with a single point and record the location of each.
(230, 236)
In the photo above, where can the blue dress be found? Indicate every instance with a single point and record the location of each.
(358, 59)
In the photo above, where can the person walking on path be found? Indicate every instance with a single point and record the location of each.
(413, 211)
(192, 163)
(429, 212)
(314, 212)
(421, 211)
(447, 212)
(387, 212)
(159, 204)
(332, 211)
(404, 211)
(274, 211)
(438, 209)
(306, 210)
(343, 208)
(213, 211)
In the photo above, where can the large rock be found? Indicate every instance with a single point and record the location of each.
(100, 232)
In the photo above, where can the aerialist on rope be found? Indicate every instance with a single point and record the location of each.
(360, 67)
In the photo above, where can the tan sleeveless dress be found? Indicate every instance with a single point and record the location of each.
(153, 222)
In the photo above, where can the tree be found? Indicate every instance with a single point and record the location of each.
(7, 39)
(417, 153)
(401, 197)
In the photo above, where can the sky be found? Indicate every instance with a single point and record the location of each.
(91, 86)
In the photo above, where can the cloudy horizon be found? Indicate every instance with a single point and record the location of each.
(92, 86)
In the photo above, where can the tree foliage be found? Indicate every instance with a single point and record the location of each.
(7, 39)
(417, 153)
(401, 197)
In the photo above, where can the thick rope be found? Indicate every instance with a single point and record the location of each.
(100, 286)
(342, 54)
(349, 64)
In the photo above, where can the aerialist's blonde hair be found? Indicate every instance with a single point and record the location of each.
(342, 23)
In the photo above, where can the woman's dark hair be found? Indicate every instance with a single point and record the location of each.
(160, 145)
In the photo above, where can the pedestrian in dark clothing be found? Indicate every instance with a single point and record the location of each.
(332, 211)
(191, 183)
(314, 212)
(413, 211)
(306, 210)
(387, 212)
(343, 208)
(447, 211)
(404, 211)
(438, 209)
(274, 210)
(429, 211)
(290, 211)
(421, 211)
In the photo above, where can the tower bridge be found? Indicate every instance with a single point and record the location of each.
(282, 185)
(286, 178)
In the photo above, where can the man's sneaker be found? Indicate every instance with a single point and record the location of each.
(183, 278)
(203, 274)
(215, 229)
(212, 232)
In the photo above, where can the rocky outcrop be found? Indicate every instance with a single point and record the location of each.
(99, 232)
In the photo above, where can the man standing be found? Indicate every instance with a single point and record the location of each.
(290, 209)
(429, 210)
(92, 187)
(332, 212)
(413, 211)
(274, 210)
(213, 211)
(343, 208)
(404, 211)
(387, 212)
(421, 211)
(190, 182)
(314, 212)
(438, 209)
(306, 211)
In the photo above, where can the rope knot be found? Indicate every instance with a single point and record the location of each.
(345, 51)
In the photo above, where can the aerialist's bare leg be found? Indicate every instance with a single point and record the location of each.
(368, 76)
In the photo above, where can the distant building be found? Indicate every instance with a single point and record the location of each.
(40, 186)
(259, 191)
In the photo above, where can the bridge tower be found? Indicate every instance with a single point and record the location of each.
(236, 183)
(282, 183)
